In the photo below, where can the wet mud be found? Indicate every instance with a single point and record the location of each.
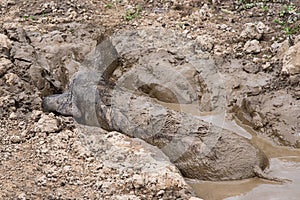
(183, 86)
(284, 164)
(199, 149)
(256, 188)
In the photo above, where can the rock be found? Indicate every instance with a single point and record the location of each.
(23, 53)
(12, 79)
(58, 57)
(11, 2)
(47, 124)
(291, 60)
(80, 151)
(13, 115)
(251, 68)
(252, 46)
(22, 196)
(16, 34)
(294, 79)
(275, 47)
(160, 193)
(205, 42)
(126, 197)
(261, 27)
(41, 180)
(142, 165)
(36, 115)
(45, 86)
(253, 30)
(5, 46)
(138, 181)
(257, 120)
(296, 93)
(223, 27)
(5, 65)
(266, 66)
(15, 139)
(195, 198)
(282, 48)
(205, 12)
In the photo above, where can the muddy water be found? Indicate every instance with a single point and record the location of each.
(284, 163)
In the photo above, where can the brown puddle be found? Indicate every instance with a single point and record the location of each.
(284, 163)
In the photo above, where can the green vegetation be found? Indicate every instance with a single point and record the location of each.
(287, 9)
(288, 19)
(133, 13)
(265, 8)
(246, 4)
(109, 5)
(291, 30)
(33, 18)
